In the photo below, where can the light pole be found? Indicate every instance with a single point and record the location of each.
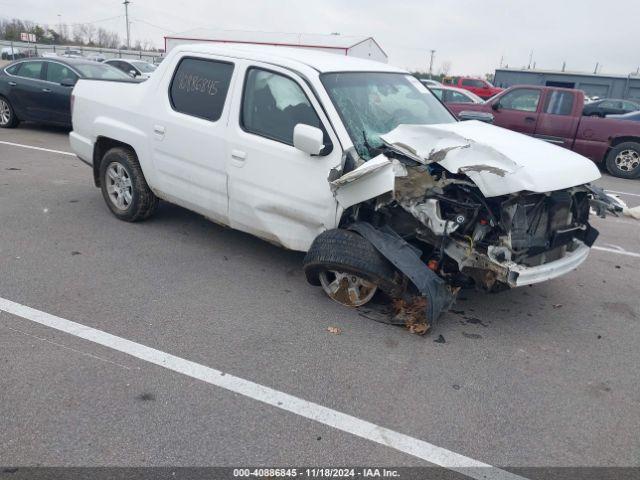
(126, 17)
(433, 52)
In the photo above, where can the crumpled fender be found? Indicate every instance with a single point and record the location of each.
(406, 258)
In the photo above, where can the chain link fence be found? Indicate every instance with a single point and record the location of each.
(14, 50)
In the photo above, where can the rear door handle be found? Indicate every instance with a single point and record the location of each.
(12, 84)
(46, 90)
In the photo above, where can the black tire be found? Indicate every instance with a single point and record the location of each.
(615, 169)
(346, 251)
(143, 202)
(13, 120)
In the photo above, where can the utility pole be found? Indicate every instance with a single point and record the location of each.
(126, 16)
(433, 53)
(595, 70)
(530, 59)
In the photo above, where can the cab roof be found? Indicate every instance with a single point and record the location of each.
(321, 61)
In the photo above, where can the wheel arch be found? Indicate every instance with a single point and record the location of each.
(103, 145)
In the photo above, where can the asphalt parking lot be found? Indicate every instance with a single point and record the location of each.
(539, 376)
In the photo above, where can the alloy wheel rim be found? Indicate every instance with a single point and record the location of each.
(628, 160)
(346, 288)
(119, 186)
(5, 112)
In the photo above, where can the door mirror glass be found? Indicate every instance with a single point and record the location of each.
(496, 106)
(308, 139)
(480, 116)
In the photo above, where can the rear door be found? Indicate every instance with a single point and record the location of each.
(57, 101)
(28, 90)
(518, 110)
(558, 120)
(188, 134)
(276, 191)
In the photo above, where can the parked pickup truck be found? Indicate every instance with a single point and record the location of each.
(555, 115)
(480, 87)
(353, 161)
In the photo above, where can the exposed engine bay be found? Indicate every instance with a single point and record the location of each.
(458, 228)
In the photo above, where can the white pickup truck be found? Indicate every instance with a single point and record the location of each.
(354, 162)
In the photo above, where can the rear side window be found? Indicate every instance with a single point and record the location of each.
(559, 103)
(30, 70)
(199, 87)
(469, 82)
(13, 69)
(273, 105)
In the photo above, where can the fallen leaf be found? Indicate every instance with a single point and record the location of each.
(334, 330)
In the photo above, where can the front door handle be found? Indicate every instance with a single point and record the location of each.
(239, 155)
(529, 119)
(46, 90)
(12, 84)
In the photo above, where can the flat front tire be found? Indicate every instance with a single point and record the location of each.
(348, 267)
(124, 187)
(624, 160)
(8, 118)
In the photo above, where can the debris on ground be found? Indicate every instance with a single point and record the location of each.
(440, 339)
(557, 305)
(334, 330)
(475, 336)
(413, 314)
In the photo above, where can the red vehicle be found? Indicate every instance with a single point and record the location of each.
(555, 115)
(480, 87)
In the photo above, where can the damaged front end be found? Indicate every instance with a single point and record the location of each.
(449, 211)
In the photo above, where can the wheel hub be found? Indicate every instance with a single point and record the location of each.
(5, 112)
(347, 288)
(628, 160)
(119, 186)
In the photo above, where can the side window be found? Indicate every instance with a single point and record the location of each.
(437, 92)
(30, 70)
(629, 106)
(559, 103)
(457, 97)
(199, 87)
(522, 99)
(272, 105)
(56, 72)
(610, 104)
(470, 82)
(13, 69)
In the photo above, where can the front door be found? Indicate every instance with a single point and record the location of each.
(518, 110)
(187, 129)
(276, 191)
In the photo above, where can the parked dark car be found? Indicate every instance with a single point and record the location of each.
(39, 90)
(609, 106)
(634, 116)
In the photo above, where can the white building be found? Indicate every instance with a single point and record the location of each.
(355, 46)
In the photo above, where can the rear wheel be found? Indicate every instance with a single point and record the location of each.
(348, 267)
(624, 160)
(8, 118)
(124, 187)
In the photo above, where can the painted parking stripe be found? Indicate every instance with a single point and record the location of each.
(623, 193)
(618, 250)
(327, 416)
(31, 147)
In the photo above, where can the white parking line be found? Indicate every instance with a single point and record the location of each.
(60, 152)
(327, 416)
(615, 249)
(623, 193)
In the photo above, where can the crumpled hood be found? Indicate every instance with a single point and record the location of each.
(497, 160)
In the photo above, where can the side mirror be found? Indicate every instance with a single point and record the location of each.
(308, 139)
(68, 82)
(133, 73)
(480, 116)
(495, 106)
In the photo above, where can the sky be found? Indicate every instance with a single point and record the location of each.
(472, 36)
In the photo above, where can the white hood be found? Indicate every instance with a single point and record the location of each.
(497, 160)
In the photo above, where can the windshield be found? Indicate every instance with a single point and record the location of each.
(372, 104)
(100, 71)
(144, 67)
